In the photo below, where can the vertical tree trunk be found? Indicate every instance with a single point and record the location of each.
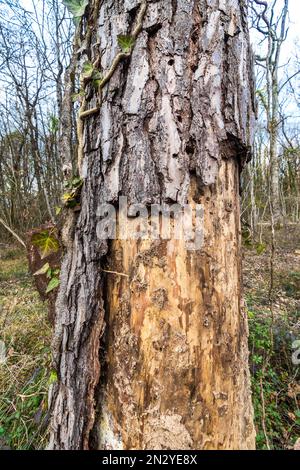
(274, 157)
(170, 370)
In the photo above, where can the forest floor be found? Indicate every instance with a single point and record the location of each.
(25, 364)
(274, 328)
(25, 370)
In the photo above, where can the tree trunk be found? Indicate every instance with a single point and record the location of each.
(151, 337)
(274, 157)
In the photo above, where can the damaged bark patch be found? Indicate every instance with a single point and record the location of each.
(177, 374)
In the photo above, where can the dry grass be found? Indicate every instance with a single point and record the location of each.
(24, 376)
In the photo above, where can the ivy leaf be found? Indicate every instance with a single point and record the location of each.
(76, 8)
(96, 83)
(125, 42)
(72, 203)
(43, 270)
(49, 273)
(46, 243)
(58, 210)
(260, 248)
(53, 284)
(96, 77)
(53, 377)
(73, 183)
(67, 197)
(87, 69)
(77, 182)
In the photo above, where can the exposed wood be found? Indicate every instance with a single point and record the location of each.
(177, 361)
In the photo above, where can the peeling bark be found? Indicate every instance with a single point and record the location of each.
(177, 359)
(175, 125)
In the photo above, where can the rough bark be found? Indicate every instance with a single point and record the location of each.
(175, 126)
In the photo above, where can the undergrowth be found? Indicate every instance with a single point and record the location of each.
(272, 335)
(275, 382)
(25, 367)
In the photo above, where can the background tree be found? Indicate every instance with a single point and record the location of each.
(276, 79)
(33, 53)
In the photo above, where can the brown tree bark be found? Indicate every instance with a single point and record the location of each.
(155, 357)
